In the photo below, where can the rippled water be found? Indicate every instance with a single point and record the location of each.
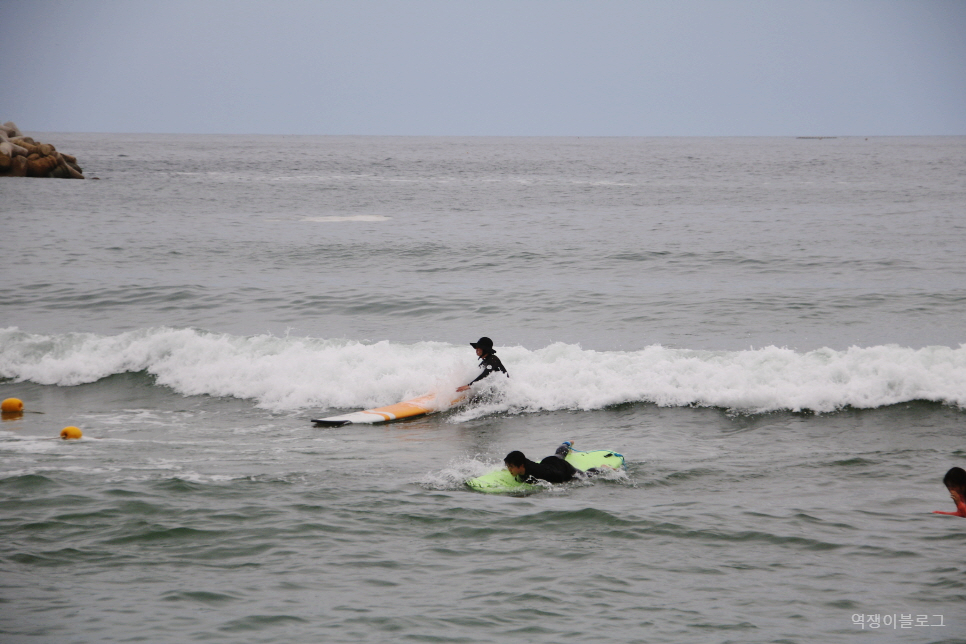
(770, 330)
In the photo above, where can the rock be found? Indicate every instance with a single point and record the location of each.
(18, 167)
(22, 156)
(11, 129)
(12, 149)
(40, 166)
(27, 144)
(67, 169)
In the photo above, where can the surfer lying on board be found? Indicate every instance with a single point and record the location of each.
(490, 363)
(553, 469)
(955, 482)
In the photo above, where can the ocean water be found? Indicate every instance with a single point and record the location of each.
(771, 330)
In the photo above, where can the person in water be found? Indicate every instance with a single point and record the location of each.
(488, 361)
(955, 482)
(553, 469)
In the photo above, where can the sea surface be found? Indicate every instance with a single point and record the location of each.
(771, 330)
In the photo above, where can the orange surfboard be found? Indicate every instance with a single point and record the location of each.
(420, 406)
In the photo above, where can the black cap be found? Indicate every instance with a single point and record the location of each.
(483, 343)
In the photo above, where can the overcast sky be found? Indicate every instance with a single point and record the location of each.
(486, 67)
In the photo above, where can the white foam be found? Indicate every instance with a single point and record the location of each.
(293, 373)
(456, 473)
(46, 469)
(11, 443)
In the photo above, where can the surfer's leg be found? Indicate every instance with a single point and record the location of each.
(563, 450)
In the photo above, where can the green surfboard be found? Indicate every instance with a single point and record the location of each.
(500, 481)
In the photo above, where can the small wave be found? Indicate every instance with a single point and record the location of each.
(155, 533)
(260, 622)
(331, 219)
(23, 481)
(207, 598)
(294, 373)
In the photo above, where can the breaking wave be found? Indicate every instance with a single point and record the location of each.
(292, 373)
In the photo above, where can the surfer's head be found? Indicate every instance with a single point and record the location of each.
(515, 461)
(483, 346)
(955, 482)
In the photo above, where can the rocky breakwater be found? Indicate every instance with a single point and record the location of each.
(21, 156)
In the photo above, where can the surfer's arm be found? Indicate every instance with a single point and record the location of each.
(487, 370)
(490, 364)
(479, 377)
(960, 511)
(960, 506)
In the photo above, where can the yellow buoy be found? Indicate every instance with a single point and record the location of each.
(11, 406)
(71, 432)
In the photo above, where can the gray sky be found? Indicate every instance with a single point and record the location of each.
(489, 67)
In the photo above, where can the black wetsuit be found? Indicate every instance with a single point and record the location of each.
(490, 363)
(552, 469)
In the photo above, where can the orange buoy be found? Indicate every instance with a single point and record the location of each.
(69, 433)
(11, 406)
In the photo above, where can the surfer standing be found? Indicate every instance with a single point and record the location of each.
(488, 360)
(955, 482)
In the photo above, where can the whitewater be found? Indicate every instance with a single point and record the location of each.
(284, 373)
